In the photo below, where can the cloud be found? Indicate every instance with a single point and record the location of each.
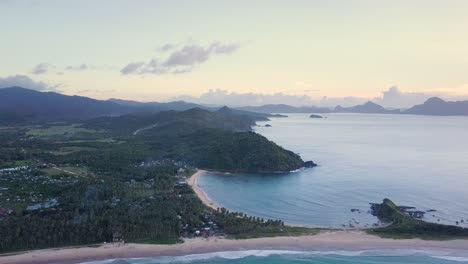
(181, 60)
(81, 67)
(42, 68)
(132, 67)
(223, 97)
(393, 97)
(219, 48)
(167, 47)
(190, 55)
(26, 82)
(187, 56)
(346, 101)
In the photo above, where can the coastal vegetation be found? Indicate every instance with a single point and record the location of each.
(402, 225)
(98, 181)
(220, 140)
(124, 178)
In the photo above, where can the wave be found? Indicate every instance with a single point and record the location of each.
(458, 256)
(452, 258)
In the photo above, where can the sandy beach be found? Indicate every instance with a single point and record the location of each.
(326, 241)
(354, 240)
(193, 182)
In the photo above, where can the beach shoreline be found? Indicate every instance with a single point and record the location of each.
(326, 241)
(193, 182)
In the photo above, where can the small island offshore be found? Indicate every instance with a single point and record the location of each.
(126, 186)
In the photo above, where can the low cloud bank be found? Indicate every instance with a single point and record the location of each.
(393, 97)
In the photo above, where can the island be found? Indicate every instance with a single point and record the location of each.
(315, 116)
(404, 224)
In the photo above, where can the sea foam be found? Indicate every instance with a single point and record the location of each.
(459, 256)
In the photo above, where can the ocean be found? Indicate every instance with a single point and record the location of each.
(416, 161)
(419, 161)
(293, 257)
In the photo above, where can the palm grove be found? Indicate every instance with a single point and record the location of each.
(99, 181)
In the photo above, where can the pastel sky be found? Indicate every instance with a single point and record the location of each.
(156, 50)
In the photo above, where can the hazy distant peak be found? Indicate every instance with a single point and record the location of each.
(369, 107)
(370, 103)
(434, 100)
(437, 106)
(225, 109)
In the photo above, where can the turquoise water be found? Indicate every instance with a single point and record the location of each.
(414, 160)
(291, 257)
(419, 161)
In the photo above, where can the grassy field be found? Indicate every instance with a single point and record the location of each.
(69, 150)
(61, 170)
(279, 231)
(58, 130)
(16, 163)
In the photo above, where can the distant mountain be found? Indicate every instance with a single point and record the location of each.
(183, 106)
(282, 108)
(367, 108)
(156, 106)
(18, 105)
(438, 107)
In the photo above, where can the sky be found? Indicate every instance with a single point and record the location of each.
(322, 52)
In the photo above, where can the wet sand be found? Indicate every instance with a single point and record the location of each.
(193, 182)
(325, 241)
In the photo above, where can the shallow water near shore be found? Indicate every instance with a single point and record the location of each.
(414, 160)
(293, 257)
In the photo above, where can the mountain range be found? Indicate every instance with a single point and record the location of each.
(20, 105)
(433, 106)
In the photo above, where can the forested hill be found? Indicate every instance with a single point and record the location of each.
(66, 184)
(171, 122)
(220, 140)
